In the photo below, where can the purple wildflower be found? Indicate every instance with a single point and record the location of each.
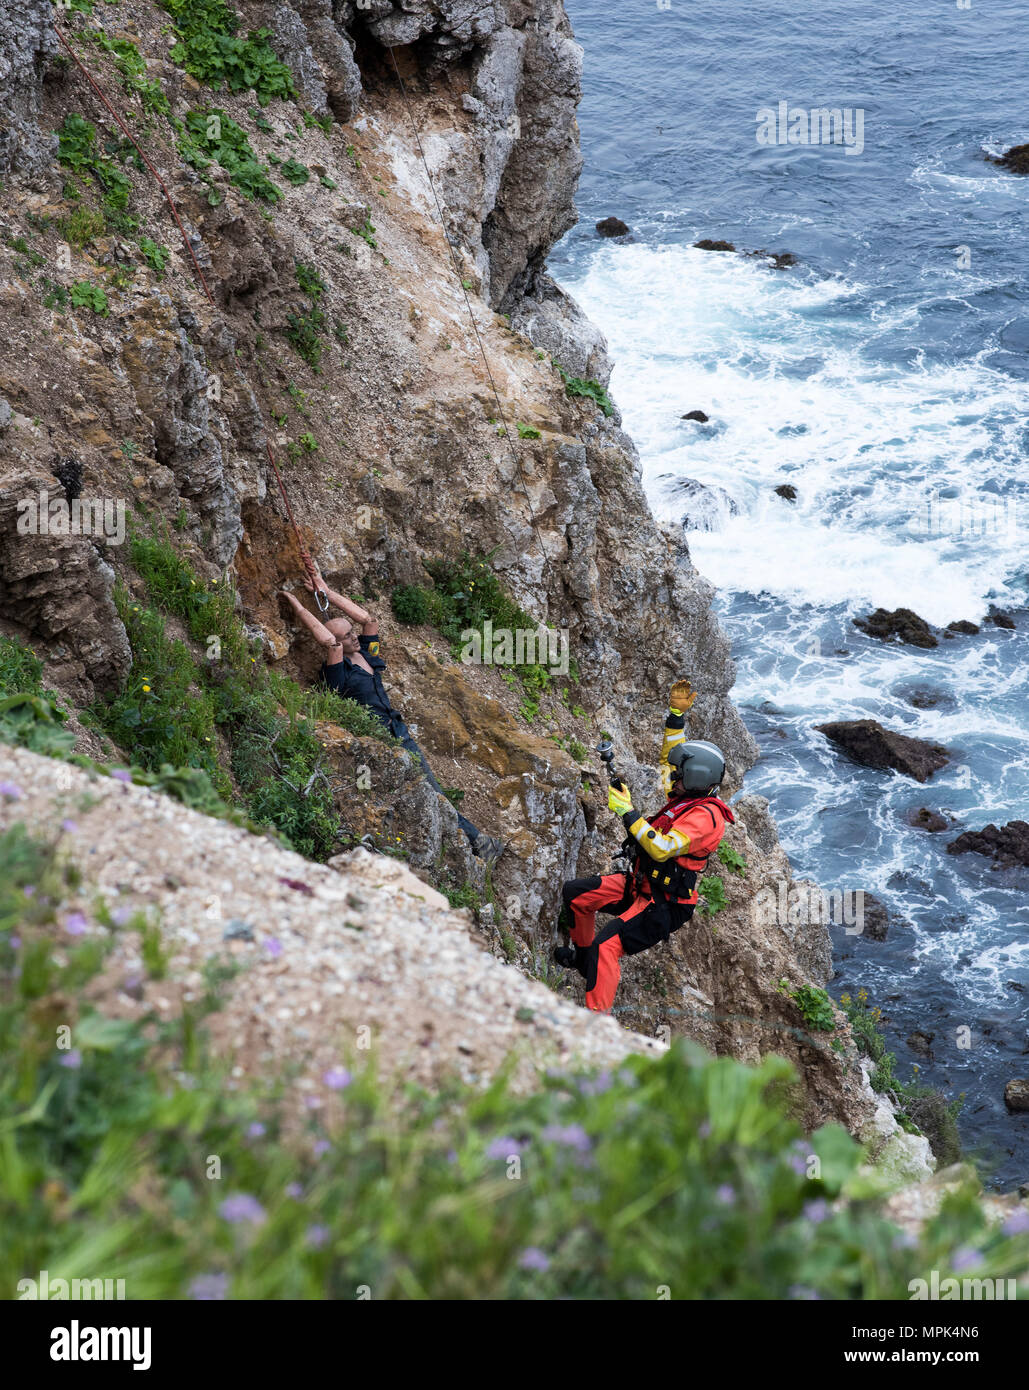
(29, 890)
(294, 1190)
(597, 1085)
(451, 1155)
(1017, 1223)
(121, 774)
(313, 1102)
(72, 1059)
(534, 1258)
(574, 1136)
(10, 791)
(799, 1165)
(75, 924)
(273, 946)
(705, 1130)
(965, 1257)
(322, 1146)
(242, 1207)
(14, 941)
(817, 1210)
(209, 1288)
(726, 1194)
(255, 1130)
(69, 826)
(504, 1148)
(337, 1078)
(317, 1236)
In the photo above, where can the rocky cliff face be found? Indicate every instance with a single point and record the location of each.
(392, 447)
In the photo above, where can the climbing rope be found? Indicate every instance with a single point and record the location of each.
(468, 305)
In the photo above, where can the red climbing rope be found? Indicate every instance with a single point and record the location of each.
(128, 134)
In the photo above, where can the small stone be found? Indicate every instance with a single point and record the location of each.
(708, 245)
(924, 819)
(612, 226)
(238, 930)
(1016, 1094)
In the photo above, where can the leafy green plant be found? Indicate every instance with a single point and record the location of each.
(526, 431)
(77, 150)
(310, 281)
(296, 174)
(304, 331)
(815, 1006)
(212, 135)
(366, 232)
(411, 604)
(712, 896)
(591, 389)
(732, 859)
(87, 296)
(210, 49)
(156, 256)
(82, 226)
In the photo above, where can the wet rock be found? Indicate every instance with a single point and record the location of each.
(697, 415)
(68, 472)
(1016, 1094)
(871, 745)
(786, 490)
(781, 260)
(708, 245)
(1001, 619)
(875, 918)
(1015, 160)
(921, 1043)
(926, 697)
(1008, 844)
(612, 226)
(708, 506)
(924, 819)
(967, 628)
(901, 623)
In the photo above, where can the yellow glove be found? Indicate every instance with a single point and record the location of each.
(618, 799)
(681, 697)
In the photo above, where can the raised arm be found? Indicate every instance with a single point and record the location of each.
(353, 611)
(679, 701)
(318, 630)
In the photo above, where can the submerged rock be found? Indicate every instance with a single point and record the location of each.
(924, 819)
(709, 506)
(612, 226)
(708, 245)
(696, 415)
(1016, 1094)
(1001, 619)
(868, 743)
(969, 629)
(926, 697)
(781, 260)
(786, 490)
(1007, 844)
(901, 623)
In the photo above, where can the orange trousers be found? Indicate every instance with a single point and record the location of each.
(602, 953)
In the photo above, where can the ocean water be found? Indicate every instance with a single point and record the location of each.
(886, 377)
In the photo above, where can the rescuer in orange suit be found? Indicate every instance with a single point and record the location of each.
(667, 851)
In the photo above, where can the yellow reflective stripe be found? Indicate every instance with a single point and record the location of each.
(660, 847)
(373, 647)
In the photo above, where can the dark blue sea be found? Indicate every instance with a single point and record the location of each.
(886, 377)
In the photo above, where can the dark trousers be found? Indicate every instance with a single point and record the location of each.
(399, 730)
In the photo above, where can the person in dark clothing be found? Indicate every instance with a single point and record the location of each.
(353, 668)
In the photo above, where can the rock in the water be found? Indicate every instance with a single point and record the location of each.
(708, 507)
(781, 260)
(1015, 160)
(1016, 1094)
(696, 415)
(1007, 844)
(708, 245)
(868, 743)
(1000, 619)
(926, 697)
(924, 819)
(875, 919)
(961, 625)
(902, 623)
(921, 1043)
(612, 226)
(786, 490)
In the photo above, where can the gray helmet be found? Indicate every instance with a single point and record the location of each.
(698, 765)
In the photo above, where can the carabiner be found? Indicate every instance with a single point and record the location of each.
(322, 600)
